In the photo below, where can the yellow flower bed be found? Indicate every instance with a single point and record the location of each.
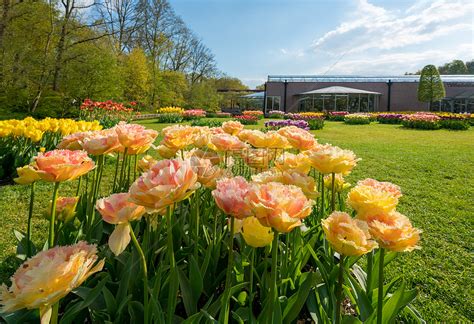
(170, 110)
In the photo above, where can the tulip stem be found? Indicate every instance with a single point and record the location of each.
(53, 215)
(55, 313)
(333, 192)
(273, 279)
(380, 290)
(144, 270)
(30, 216)
(228, 278)
(79, 183)
(116, 171)
(370, 265)
(252, 260)
(322, 201)
(172, 292)
(339, 289)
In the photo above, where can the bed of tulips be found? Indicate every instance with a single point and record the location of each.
(107, 113)
(227, 225)
(20, 140)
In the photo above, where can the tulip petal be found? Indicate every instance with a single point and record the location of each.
(120, 238)
(45, 314)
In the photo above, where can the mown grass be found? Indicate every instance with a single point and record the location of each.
(435, 171)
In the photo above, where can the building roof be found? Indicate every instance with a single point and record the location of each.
(359, 78)
(338, 90)
(256, 95)
(467, 94)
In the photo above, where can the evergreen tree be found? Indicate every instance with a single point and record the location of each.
(430, 87)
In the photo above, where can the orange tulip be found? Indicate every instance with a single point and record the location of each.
(101, 142)
(293, 162)
(227, 143)
(332, 159)
(298, 138)
(232, 127)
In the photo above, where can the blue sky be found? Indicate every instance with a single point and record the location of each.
(252, 39)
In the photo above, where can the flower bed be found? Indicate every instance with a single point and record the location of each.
(358, 119)
(276, 114)
(422, 120)
(150, 246)
(254, 113)
(336, 115)
(206, 122)
(277, 124)
(108, 113)
(248, 119)
(170, 115)
(389, 118)
(315, 120)
(194, 114)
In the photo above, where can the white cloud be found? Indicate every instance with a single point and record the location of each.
(374, 27)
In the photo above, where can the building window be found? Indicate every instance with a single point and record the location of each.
(273, 103)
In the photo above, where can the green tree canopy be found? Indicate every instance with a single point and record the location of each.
(430, 87)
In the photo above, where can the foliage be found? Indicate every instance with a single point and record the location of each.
(204, 94)
(169, 118)
(207, 122)
(136, 75)
(430, 87)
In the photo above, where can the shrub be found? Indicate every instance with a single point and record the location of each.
(276, 114)
(316, 123)
(455, 124)
(390, 118)
(422, 120)
(336, 115)
(206, 122)
(194, 114)
(255, 113)
(247, 119)
(358, 119)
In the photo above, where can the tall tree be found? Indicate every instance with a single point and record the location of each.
(430, 87)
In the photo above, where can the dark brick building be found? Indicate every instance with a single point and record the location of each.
(359, 93)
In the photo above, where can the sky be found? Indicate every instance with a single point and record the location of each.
(252, 39)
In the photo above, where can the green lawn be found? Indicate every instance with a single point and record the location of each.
(435, 171)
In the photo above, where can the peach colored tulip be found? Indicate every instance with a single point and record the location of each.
(301, 180)
(44, 279)
(135, 138)
(348, 236)
(255, 138)
(145, 163)
(74, 141)
(339, 183)
(118, 210)
(389, 187)
(207, 173)
(101, 142)
(166, 152)
(279, 206)
(277, 141)
(232, 127)
(179, 137)
(299, 138)
(332, 159)
(394, 231)
(204, 154)
(255, 234)
(65, 208)
(227, 143)
(258, 158)
(367, 200)
(26, 175)
(293, 162)
(167, 182)
(231, 196)
(62, 165)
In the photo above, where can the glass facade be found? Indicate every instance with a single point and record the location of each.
(273, 103)
(339, 102)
